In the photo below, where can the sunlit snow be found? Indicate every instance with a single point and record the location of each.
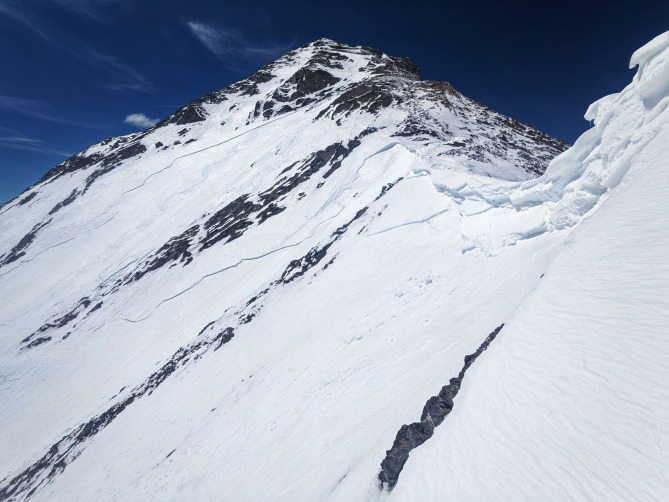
(428, 246)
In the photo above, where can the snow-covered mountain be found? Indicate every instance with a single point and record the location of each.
(335, 281)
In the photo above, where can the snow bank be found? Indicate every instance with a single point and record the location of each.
(624, 124)
(580, 179)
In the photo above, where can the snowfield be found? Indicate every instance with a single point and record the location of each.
(248, 301)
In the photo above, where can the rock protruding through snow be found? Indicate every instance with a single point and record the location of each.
(435, 411)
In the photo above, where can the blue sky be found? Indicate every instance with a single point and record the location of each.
(77, 71)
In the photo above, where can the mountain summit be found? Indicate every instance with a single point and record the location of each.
(334, 280)
(348, 87)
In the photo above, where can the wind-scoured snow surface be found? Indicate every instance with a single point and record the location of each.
(249, 300)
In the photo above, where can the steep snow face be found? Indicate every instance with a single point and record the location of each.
(250, 299)
(571, 403)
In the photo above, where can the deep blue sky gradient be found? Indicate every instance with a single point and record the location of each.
(72, 70)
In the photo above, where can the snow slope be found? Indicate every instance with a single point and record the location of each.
(254, 314)
(571, 403)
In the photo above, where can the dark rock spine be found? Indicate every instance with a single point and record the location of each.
(434, 412)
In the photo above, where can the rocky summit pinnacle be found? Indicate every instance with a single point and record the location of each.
(343, 81)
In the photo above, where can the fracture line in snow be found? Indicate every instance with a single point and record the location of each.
(416, 222)
(349, 186)
(203, 150)
(235, 265)
(270, 122)
(36, 255)
(54, 246)
(313, 232)
(182, 157)
(14, 202)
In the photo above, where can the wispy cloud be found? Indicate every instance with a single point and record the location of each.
(233, 48)
(124, 77)
(19, 140)
(140, 120)
(30, 108)
(130, 79)
(90, 8)
(29, 144)
(13, 10)
(38, 110)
